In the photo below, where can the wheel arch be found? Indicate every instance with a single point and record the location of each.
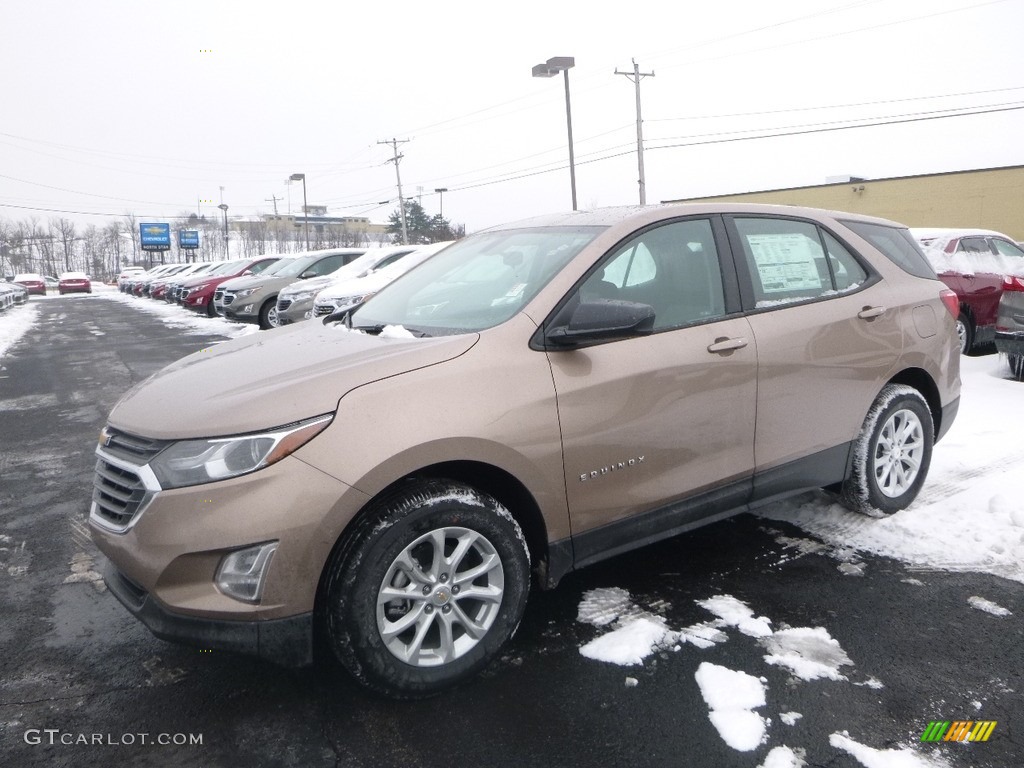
(483, 477)
(920, 380)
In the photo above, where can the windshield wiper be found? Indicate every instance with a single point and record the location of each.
(375, 330)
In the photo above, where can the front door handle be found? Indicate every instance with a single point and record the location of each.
(870, 313)
(724, 344)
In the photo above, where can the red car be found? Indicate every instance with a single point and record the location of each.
(976, 264)
(74, 282)
(197, 293)
(33, 282)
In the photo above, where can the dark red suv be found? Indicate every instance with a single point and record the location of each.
(977, 264)
(197, 293)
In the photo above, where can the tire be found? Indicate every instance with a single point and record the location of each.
(1016, 363)
(965, 333)
(892, 454)
(419, 642)
(268, 314)
(211, 311)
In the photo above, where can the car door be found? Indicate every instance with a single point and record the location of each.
(651, 422)
(827, 330)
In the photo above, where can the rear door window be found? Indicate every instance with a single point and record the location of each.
(792, 261)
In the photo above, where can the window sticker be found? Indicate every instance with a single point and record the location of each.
(786, 262)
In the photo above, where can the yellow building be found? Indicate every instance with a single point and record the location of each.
(990, 198)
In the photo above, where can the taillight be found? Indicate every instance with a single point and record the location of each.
(951, 301)
(1013, 283)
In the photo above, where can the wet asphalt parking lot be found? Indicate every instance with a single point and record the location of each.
(82, 683)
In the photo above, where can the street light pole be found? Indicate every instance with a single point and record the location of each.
(305, 206)
(550, 68)
(440, 191)
(224, 208)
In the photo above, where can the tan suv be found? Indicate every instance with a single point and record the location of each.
(533, 399)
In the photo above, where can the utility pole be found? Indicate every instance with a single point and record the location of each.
(636, 75)
(274, 199)
(401, 200)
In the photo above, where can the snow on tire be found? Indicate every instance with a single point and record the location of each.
(427, 589)
(892, 454)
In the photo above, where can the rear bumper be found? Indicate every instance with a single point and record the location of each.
(1010, 343)
(288, 641)
(949, 411)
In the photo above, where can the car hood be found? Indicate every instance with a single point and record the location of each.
(301, 286)
(270, 379)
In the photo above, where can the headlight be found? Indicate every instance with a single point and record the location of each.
(301, 296)
(192, 462)
(246, 292)
(348, 301)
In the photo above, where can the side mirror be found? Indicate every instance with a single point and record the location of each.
(307, 274)
(594, 321)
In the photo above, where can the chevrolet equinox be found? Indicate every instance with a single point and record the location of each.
(534, 398)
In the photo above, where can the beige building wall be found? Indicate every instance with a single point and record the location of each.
(986, 199)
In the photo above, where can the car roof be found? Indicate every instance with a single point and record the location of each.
(931, 233)
(607, 217)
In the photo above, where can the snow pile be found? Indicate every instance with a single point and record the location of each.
(809, 653)
(736, 613)
(790, 718)
(988, 606)
(181, 319)
(14, 323)
(732, 697)
(870, 757)
(637, 634)
(784, 757)
(630, 644)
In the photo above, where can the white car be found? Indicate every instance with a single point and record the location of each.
(349, 293)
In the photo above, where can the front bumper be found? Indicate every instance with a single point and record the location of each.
(295, 311)
(288, 641)
(168, 550)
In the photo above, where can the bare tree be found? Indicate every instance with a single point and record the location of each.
(64, 231)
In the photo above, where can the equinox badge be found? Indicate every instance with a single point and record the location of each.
(611, 468)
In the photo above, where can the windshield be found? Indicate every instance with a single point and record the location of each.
(295, 267)
(476, 283)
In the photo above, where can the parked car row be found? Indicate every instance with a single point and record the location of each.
(276, 290)
(982, 267)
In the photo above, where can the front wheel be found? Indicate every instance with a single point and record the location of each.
(892, 453)
(427, 589)
(268, 314)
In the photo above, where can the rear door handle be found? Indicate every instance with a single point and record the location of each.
(870, 313)
(724, 344)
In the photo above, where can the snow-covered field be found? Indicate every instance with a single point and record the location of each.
(969, 517)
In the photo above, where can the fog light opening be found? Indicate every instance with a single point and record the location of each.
(241, 574)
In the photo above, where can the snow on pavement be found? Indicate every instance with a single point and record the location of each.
(14, 323)
(732, 697)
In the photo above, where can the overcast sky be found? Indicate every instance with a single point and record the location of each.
(151, 106)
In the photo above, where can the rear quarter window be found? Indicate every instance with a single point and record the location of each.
(897, 245)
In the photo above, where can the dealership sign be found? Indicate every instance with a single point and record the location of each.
(188, 239)
(155, 237)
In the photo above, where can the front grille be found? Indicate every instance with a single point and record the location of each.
(322, 310)
(184, 294)
(283, 304)
(137, 450)
(117, 494)
(227, 298)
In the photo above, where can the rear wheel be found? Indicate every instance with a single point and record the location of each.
(892, 454)
(427, 589)
(965, 333)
